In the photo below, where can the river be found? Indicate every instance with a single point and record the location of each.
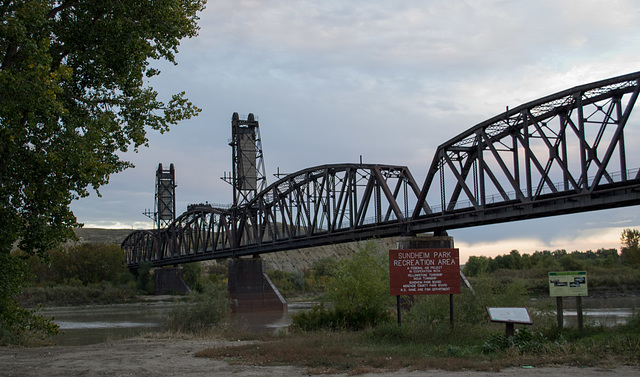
(97, 324)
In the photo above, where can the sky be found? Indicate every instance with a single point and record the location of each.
(331, 81)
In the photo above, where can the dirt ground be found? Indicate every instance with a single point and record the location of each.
(171, 357)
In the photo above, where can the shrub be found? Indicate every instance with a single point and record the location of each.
(201, 312)
(288, 283)
(192, 275)
(89, 263)
(358, 294)
(144, 281)
(19, 325)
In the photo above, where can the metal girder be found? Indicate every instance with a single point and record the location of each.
(570, 142)
(564, 153)
(328, 202)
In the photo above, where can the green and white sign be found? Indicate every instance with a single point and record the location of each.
(568, 283)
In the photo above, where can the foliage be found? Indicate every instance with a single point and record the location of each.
(358, 293)
(313, 280)
(192, 275)
(630, 251)
(144, 281)
(103, 293)
(17, 324)
(89, 263)
(201, 312)
(476, 266)
(288, 283)
(72, 78)
(428, 315)
(541, 262)
(74, 96)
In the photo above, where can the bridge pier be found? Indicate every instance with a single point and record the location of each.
(250, 289)
(169, 280)
(425, 242)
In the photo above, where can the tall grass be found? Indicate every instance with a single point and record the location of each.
(201, 312)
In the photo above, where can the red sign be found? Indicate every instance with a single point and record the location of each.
(424, 271)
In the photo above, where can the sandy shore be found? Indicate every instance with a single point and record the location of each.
(175, 357)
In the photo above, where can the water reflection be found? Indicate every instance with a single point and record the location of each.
(267, 322)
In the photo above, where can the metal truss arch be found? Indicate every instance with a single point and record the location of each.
(571, 142)
(327, 199)
(563, 153)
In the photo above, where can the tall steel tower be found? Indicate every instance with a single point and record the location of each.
(248, 175)
(165, 205)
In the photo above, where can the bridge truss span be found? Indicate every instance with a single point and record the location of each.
(311, 207)
(564, 153)
(570, 143)
(329, 199)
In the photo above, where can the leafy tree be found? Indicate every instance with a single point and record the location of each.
(360, 288)
(630, 251)
(72, 78)
(476, 266)
(89, 263)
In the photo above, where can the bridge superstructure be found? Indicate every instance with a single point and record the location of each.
(564, 153)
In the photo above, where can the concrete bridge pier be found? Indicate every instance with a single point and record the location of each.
(250, 289)
(169, 280)
(426, 241)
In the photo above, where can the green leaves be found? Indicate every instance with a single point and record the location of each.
(73, 97)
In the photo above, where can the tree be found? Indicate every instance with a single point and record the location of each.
(476, 266)
(359, 290)
(630, 250)
(73, 96)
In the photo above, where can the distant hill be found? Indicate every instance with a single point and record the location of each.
(290, 260)
(99, 235)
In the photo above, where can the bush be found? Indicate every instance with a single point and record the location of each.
(358, 294)
(89, 263)
(69, 295)
(288, 283)
(19, 325)
(201, 312)
(144, 281)
(192, 275)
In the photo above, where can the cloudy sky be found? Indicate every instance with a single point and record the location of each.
(331, 81)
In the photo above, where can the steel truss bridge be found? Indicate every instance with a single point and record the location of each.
(564, 153)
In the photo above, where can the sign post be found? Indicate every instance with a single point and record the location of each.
(510, 316)
(424, 272)
(568, 283)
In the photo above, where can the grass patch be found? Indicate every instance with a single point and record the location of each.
(389, 347)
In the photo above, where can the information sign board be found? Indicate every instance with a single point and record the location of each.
(424, 271)
(510, 315)
(568, 283)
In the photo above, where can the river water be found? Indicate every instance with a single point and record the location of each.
(96, 324)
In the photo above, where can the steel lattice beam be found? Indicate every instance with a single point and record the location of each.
(563, 153)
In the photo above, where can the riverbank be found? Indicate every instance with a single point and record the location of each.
(176, 357)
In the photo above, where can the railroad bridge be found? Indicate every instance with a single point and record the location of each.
(563, 153)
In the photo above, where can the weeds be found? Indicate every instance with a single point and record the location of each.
(201, 312)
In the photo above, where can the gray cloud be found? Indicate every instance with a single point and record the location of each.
(390, 81)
